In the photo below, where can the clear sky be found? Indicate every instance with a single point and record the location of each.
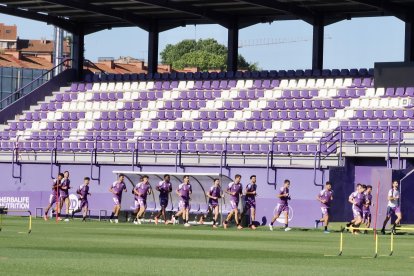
(355, 43)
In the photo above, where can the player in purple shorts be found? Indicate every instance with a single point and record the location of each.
(83, 192)
(136, 210)
(393, 207)
(366, 212)
(116, 189)
(325, 197)
(184, 191)
(282, 206)
(357, 199)
(235, 190)
(54, 195)
(250, 201)
(165, 188)
(64, 194)
(141, 191)
(213, 195)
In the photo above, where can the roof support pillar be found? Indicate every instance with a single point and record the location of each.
(409, 41)
(78, 49)
(153, 42)
(232, 46)
(317, 44)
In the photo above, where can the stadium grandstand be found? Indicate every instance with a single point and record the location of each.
(309, 125)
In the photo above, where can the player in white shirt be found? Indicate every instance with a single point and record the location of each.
(393, 207)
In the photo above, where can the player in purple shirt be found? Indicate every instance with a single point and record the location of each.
(116, 189)
(53, 199)
(357, 199)
(83, 192)
(325, 197)
(184, 191)
(250, 201)
(282, 206)
(366, 212)
(165, 188)
(64, 194)
(213, 195)
(141, 191)
(393, 207)
(235, 190)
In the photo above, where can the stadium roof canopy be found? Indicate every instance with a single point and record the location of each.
(94, 15)
(81, 17)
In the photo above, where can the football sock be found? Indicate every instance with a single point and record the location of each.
(112, 215)
(326, 228)
(286, 226)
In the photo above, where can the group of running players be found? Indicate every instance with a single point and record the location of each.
(184, 191)
(60, 196)
(361, 201)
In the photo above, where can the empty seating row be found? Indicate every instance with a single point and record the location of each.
(376, 124)
(229, 75)
(384, 114)
(265, 114)
(170, 147)
(216, 104)
(209, 104)
(237, 94)
(224, 84)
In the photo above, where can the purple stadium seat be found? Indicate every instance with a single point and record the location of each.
(313, 93)
(409, 91)
(389, 114)
(400, 91)
(408, 113)
(389, 92)
(265, 115)
(307, 104)
(304, 94)
(206, 85)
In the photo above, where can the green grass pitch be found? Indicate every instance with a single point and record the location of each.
(100, 248)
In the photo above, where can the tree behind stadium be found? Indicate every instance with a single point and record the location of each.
(206, 54)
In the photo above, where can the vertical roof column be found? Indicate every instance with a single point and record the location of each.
(318, 43)
(78, 49)
(232, 46)
(409, 40)
(153, 42)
